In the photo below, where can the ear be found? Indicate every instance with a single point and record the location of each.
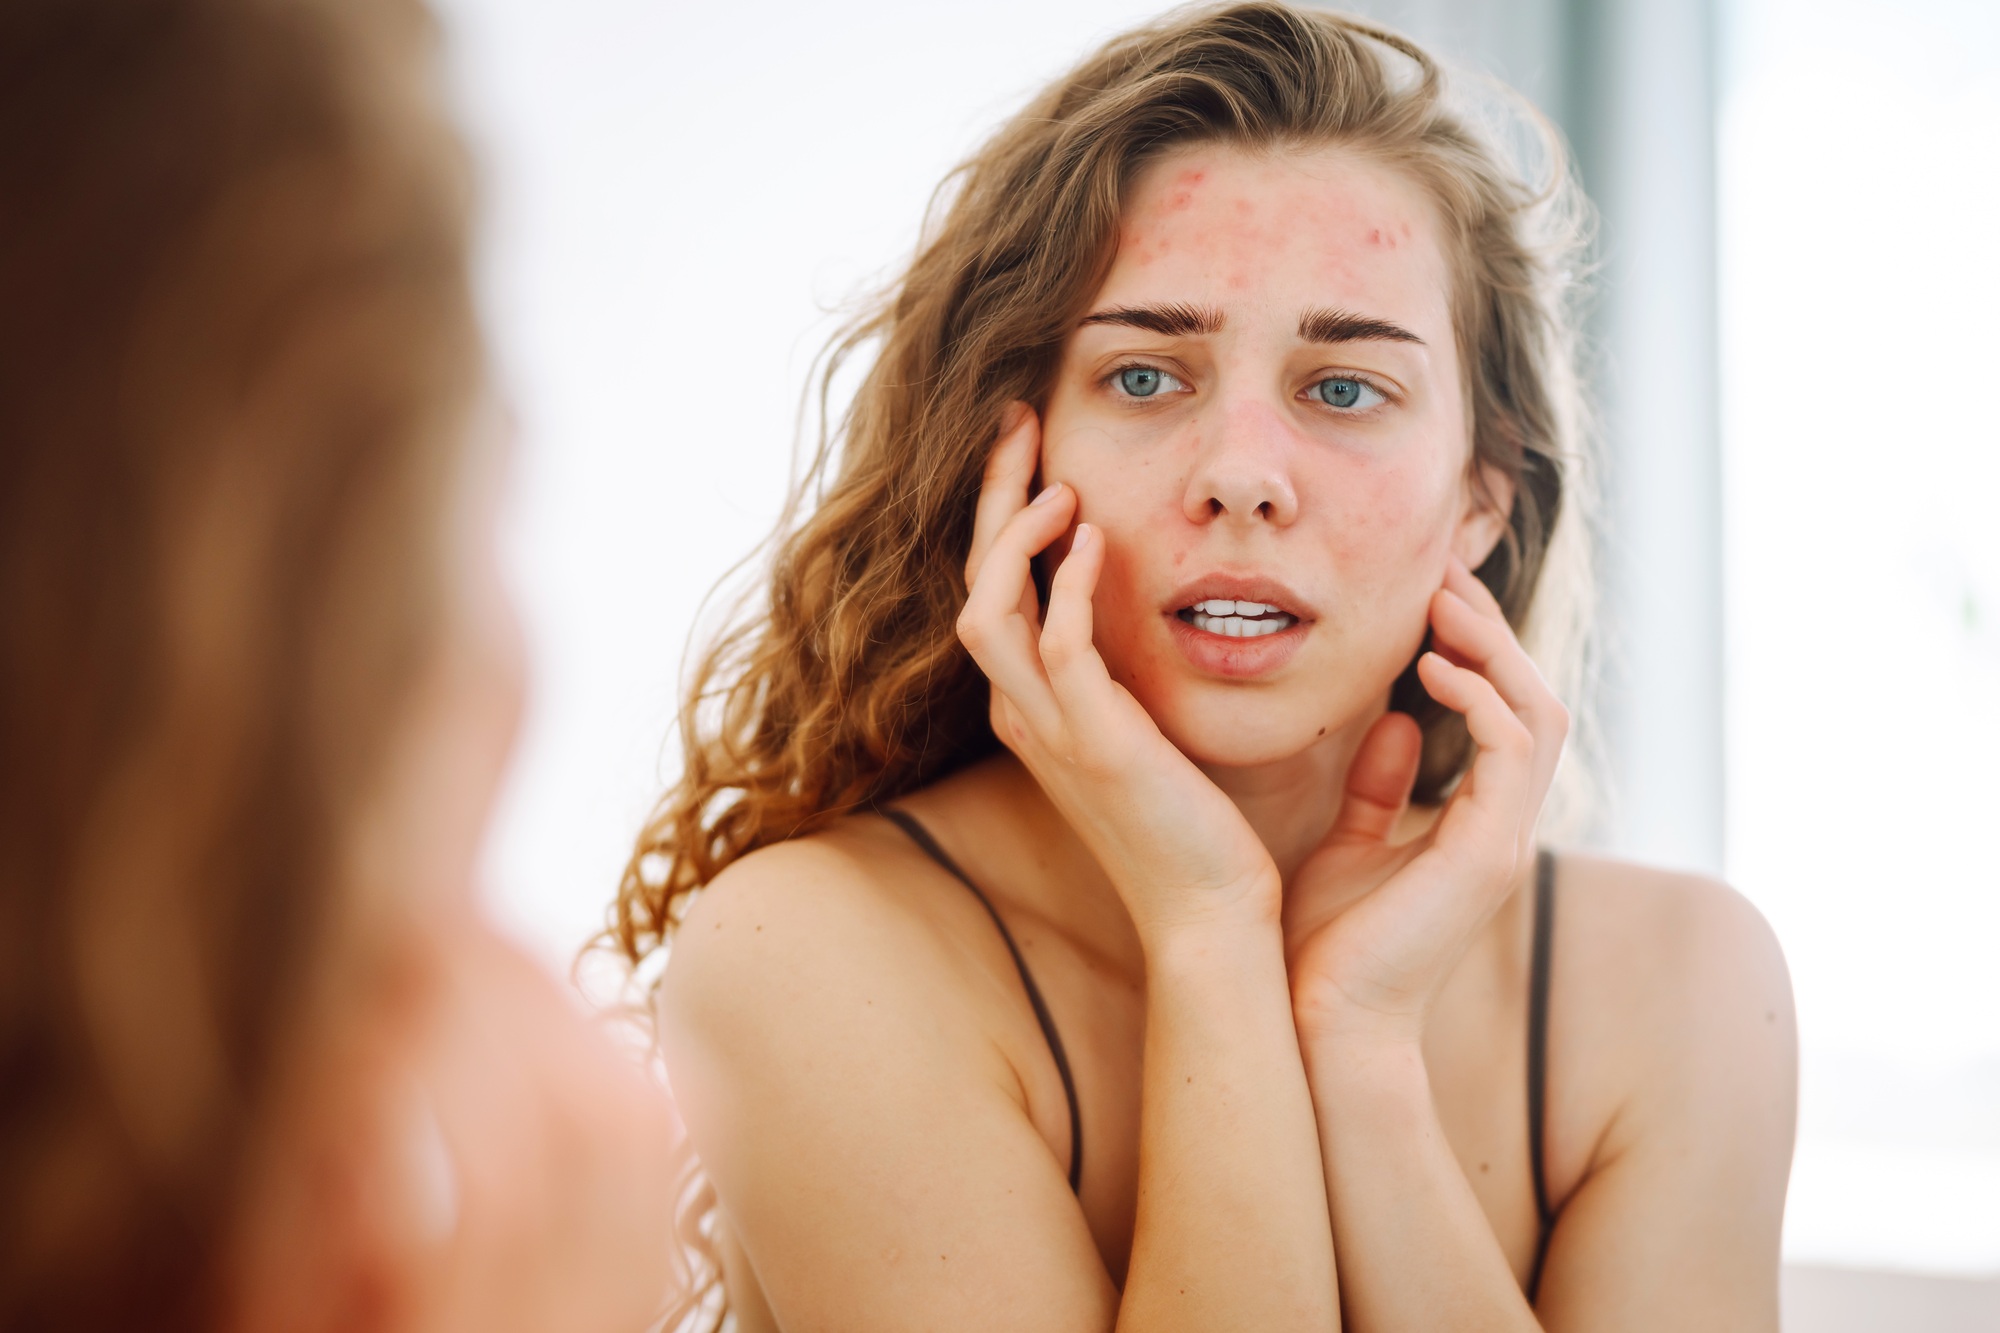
(1488, 504)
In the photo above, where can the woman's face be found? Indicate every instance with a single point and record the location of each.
(1264, 405)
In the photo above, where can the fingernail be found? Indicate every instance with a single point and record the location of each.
(1084, 532)
(1048, 492)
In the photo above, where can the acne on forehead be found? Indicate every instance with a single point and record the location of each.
(1229, 212)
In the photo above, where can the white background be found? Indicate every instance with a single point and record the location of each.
(678, 195)
(1860, 230)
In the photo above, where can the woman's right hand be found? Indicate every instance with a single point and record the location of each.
(1178, 851)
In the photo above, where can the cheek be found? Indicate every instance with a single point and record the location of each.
(1387, 525)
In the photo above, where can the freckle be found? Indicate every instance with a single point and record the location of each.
(1771, 1017)
(1322, 731)
(760, 927)
(1484, 1167)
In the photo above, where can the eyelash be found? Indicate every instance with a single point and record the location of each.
(1110, 378)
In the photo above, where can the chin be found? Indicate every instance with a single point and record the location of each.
(1267, 731)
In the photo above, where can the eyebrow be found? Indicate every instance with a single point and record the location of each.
(1316, 326)
(1169, 321)
(1341, 326)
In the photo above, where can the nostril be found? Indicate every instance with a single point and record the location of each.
(1215, 507)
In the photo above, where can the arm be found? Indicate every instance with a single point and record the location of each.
(1379, 929)
(1676, 1223)
(1675, 1226)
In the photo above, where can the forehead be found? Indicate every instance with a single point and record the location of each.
(1324, 227)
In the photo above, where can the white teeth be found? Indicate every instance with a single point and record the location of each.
(1236, 627)
(1224, 606)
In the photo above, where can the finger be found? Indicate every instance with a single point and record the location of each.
(1489, 646)
(1458, 577)
(994, 626)
(1499, 782)
(1379, 780)
(1003, 492)
(1082, 685)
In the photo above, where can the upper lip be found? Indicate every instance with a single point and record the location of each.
(1242, 588)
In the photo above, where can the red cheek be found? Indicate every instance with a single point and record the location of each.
(1381, 523)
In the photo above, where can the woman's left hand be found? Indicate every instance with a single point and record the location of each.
(1373, 928)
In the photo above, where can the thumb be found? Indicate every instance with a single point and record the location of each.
(1379, 780)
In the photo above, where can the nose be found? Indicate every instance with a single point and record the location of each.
(1242, 473)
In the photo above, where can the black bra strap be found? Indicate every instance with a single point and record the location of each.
(1539, 964)
(921, 836)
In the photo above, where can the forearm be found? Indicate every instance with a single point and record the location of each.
(1232, 1228)
(1416, 1251)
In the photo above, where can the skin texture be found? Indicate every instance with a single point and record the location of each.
(1295, 1007)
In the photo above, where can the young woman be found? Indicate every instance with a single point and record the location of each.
(1229, 989)
(266, 1067)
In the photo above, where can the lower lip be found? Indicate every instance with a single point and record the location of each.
(1240, 659)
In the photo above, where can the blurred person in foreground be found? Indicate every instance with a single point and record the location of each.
(265, 1065)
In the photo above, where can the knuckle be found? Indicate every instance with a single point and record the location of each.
(971, 632)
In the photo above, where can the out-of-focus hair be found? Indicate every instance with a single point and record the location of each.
(237, 359)
(845, 684)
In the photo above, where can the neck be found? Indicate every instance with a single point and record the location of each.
(1291, 802)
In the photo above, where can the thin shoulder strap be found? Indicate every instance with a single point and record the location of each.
(922, 837)
(1539, 965)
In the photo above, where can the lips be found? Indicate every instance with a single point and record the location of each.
(1238, 626)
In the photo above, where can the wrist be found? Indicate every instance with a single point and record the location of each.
(1190, 922)
(1374, 1064)
(1237, 943)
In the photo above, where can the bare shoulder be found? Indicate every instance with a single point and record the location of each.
(811, 918)
(1677, 941)
(1679, 1001)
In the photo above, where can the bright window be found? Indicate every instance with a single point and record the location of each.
(1860, 242)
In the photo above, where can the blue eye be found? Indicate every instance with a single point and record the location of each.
(1140, 381)
(1340, 391)
(1146, 382)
